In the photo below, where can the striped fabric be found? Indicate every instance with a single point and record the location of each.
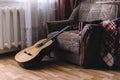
(108, 46)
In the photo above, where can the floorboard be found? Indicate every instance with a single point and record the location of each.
(51, 69)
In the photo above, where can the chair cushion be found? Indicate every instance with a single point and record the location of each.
(68, 40)
(93, 11)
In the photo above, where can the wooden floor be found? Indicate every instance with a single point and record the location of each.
(51, 70)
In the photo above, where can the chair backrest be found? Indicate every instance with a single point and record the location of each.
(89, 10)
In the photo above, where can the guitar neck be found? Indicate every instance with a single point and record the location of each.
(54, 35)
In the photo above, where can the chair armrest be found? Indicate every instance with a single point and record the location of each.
(58, 25)
(90, 43)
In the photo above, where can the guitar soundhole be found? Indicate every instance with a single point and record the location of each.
(27, 53)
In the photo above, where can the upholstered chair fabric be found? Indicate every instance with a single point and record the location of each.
(67, 44)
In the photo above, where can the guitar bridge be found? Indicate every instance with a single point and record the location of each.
(27, 53)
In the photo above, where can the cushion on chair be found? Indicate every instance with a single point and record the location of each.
(68, 40)
(93, 11)
(67, 46)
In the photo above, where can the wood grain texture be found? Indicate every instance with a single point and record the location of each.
(51, 69)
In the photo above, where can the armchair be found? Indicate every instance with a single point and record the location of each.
(67, 45)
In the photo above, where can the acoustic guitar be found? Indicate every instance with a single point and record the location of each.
(31, 56)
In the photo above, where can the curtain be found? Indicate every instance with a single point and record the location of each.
(64, 8)
(47, 10)
(37, 13)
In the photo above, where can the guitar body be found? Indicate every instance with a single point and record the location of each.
(32, 55)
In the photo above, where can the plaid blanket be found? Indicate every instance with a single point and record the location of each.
(109, 42)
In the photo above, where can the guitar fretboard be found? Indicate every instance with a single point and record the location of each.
(54, 35)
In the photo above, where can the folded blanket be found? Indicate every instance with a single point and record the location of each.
(110, 43)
